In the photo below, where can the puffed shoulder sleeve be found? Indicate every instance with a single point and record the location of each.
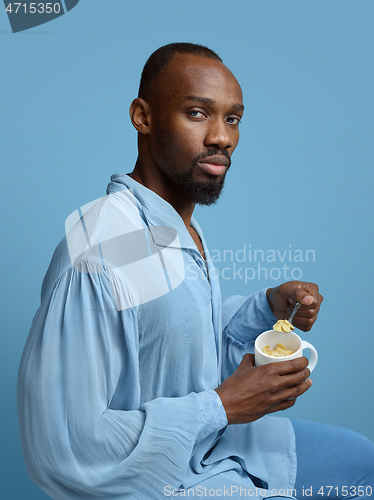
(82, 430)
(243, 319)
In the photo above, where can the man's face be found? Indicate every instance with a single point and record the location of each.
(196, 109)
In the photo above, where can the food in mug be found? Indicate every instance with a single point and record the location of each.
(278, 352)
(283, 325)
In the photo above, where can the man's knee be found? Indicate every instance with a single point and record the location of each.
(361, 449)
(358, 462)
(326, 452)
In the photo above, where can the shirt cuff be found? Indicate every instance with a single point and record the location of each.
(212, 414)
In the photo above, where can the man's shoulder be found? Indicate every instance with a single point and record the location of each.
(97, 231)
(90, 229)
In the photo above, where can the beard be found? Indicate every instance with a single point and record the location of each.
(203, 192)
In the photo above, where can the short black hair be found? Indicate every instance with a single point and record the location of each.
(160, 59)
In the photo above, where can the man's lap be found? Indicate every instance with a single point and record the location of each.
(330, 456)
(229, 484)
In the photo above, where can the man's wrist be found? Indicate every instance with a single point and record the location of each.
(268, 296)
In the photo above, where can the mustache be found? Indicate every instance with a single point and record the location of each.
(213, 152)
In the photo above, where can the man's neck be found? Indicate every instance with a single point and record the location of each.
(162, 186)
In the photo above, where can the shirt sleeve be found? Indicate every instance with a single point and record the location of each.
(244, 318)
(212, 414)
(76, 442)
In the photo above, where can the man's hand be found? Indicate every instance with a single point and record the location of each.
(252, 392)
(283, 298)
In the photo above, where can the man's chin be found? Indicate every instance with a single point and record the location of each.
(204, 193)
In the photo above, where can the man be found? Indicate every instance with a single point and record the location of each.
(120, 385)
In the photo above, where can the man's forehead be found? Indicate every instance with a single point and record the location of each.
(190, 75)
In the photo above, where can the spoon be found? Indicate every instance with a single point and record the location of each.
(295, 309)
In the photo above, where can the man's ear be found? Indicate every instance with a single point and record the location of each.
(140, 114)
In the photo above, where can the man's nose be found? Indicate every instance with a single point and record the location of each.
(218, 135)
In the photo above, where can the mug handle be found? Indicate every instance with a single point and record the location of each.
(313, 354)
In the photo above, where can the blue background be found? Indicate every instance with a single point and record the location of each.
(301, 176)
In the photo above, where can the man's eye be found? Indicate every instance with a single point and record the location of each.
(234, 120)
(195, 113)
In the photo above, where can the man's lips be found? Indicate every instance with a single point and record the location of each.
(215, 165)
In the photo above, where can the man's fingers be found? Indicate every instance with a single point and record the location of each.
(247, 360)
(304, 319)
(307, 314)
(299, 291)
(304, 313)
(288, 397)
(304, 324)
(292, 380)
(297, 390)
(288, 367)
(283, 405)
(307, 294)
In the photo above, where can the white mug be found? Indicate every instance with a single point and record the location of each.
(290, 341)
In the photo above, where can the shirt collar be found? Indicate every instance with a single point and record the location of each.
(158, 213)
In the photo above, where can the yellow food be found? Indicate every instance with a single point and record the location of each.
(283, 325)
(278, 352)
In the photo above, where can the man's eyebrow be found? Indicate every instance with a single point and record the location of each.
(207, 100)
(239, 106)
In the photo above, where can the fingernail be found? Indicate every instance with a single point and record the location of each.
(307, 300)
(311, 383)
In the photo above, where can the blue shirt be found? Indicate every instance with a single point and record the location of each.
(115, 383)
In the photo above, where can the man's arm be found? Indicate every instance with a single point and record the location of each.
(83, 433)
(252, 392)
